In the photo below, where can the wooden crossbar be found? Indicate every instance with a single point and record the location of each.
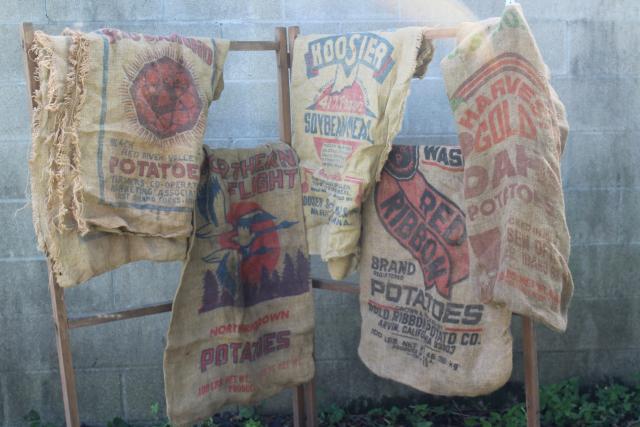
(146, 310)
(304, 407)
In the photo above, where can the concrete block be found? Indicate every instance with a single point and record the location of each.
(593, 216)
(340, 381)
(4, 393)
(281, 403)
(602, 160)
(337, 333)
(427, 110)
(219, 142)
(38, 391)
(596, 324)
(249, 65)
(28, 343)
(147, 27)
(629, 208)
(590, 366)
(14, 173)
(122, 10)
(364, 26)
(24, 290)
(194, 29)
(100, 392)
(193, 10)
(551, 36)
(426, 140)
(604, 364)
(336, 10)
(622, 10)
(441, 12)
(128, 343)
(18, 237)
(17, 11)
(605, 271)
(326, 301)
(604, 48)
(557, 366)
(517, 370)
(94, 296)
(599, 104)
(145, 282)
(245, 109)
(324, 27)
(11, 54)
(142, 387)
(15, 119)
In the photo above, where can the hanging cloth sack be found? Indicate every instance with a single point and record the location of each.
(117, 136)
(512, 131)
(242, 322)
(423, 324)
(348, 96)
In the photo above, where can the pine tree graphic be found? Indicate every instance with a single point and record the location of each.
(293, 280)
(211, 291)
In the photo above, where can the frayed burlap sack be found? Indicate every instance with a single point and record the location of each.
(423, 323)
(348, 95)
(242, 323)
(512, 130)
(117, 137)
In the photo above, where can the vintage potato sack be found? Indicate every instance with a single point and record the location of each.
(512, 131)
(423, 323)
(348, 95)
(242, 322)
(104, 190)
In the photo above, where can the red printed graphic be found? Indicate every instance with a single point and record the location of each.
(165, 98)
(505, 98)
(424, 221)
(339, 122)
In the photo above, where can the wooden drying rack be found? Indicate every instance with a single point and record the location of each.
(304, 405)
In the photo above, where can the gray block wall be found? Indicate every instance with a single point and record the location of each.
(591, 49)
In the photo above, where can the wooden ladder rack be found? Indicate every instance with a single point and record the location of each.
(304, 405)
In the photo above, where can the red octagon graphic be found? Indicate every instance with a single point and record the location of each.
(165, 98)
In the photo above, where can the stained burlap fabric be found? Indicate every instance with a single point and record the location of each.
(117, 137)
(512, 130)
(423, 323)
(348, 96)
(242, 322)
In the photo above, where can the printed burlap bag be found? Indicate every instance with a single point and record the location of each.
(104, 190)
(242, 323)
(512, 132)
(423, 323)
(348, 95)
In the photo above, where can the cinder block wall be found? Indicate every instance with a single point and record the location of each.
(591, 49)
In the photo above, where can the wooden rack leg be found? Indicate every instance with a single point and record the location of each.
(304, 397)
(532, 389)
(284, 100)
(67, 375)
(298, 406)
(284, 122)
(311, 414)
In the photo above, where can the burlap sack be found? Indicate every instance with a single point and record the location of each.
(242, 322)
(422, 320)
(512, 131)
(348, 96)
(97, 92)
